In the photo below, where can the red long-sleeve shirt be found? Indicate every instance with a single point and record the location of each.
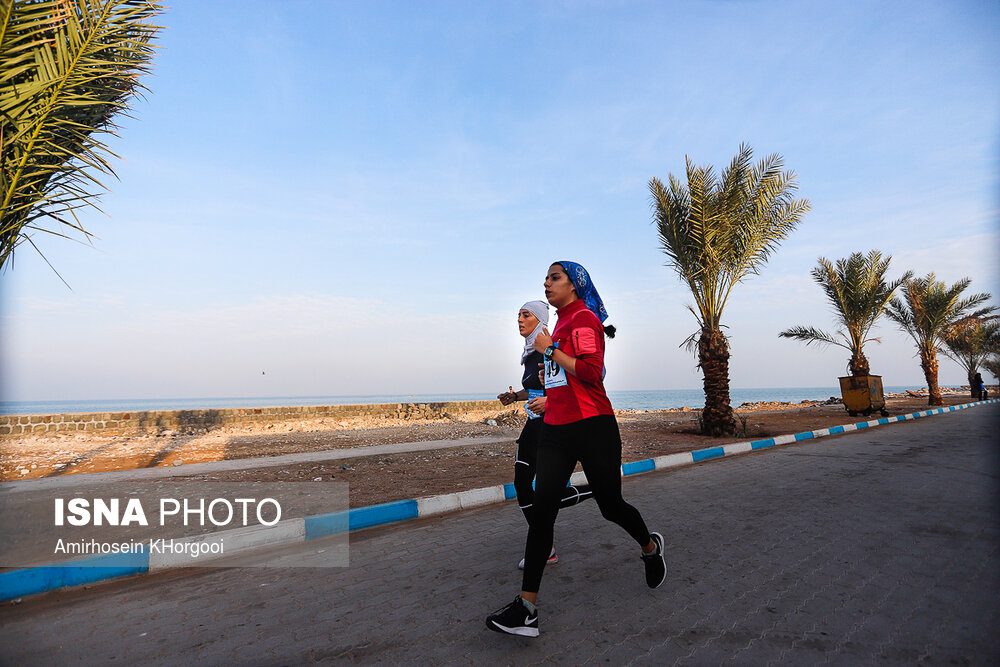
(580, 335)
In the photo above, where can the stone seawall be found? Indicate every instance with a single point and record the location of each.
(201, 421)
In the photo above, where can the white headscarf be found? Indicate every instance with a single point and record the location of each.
(539, 309)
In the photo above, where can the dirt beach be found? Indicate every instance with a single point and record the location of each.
(382, 478)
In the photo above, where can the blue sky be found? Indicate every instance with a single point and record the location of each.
(355, 198)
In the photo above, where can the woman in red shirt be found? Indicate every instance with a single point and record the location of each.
(531, 320)
(579, 425)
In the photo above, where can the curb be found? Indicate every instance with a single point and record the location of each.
(29, 581)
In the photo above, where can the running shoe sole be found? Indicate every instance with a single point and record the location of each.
(523, 631)
(514, 619)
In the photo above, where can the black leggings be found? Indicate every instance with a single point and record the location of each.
(596, 443)
(524, 472)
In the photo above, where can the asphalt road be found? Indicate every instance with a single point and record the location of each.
(875, 547)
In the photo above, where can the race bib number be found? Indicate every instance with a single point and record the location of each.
(555, 376)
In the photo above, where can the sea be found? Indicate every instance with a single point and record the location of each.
(621, 400)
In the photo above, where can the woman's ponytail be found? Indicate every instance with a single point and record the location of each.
(610, 330)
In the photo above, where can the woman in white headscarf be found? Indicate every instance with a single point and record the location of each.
(532, 317)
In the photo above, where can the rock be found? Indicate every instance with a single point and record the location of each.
(178, 462)
(317, 479)
(491, 422)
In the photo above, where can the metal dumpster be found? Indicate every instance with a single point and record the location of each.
(863, 395)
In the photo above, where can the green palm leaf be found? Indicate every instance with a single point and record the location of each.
(992, 364)
(810, 335)
(69, 67)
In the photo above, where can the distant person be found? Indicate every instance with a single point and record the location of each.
(579, 426)
(531, 319)
(978, 387)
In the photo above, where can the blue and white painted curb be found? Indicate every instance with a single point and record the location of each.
(18, 583)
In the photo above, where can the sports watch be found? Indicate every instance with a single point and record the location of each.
(549, 351)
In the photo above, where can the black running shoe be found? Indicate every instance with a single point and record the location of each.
(656, 564)
(514, 619)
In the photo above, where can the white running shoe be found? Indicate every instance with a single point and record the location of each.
(553, 558)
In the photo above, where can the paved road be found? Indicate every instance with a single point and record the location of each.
(878, 547)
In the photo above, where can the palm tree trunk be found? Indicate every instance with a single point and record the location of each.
(859, 364)
(713, 357)
(929, 364)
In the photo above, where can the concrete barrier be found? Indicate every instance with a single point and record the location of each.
(203, 421)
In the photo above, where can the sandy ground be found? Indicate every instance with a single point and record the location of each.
(382, 478)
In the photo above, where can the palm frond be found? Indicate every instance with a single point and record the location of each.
(992, 364)
(897, 311)
(69, 69)
(930, 310)
(810, 335)
(970, 342)
(717, 230)
(858, 293)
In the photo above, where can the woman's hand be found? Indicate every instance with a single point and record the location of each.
(542, 340)
(537, 405)
(507, 397)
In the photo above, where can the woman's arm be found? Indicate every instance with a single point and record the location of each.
(567, 362)
(543, 340)
(509, 397)
(588, 365)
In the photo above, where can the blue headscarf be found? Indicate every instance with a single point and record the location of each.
(585, 289)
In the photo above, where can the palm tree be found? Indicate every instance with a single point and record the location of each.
(67, 68)
(971, 342)
(716, 232)
(992, 364)
(927, 312)
(857, 288)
